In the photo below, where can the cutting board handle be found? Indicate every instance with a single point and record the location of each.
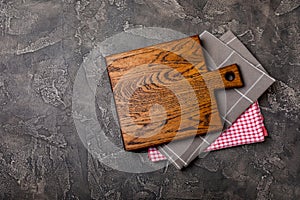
(230, 78)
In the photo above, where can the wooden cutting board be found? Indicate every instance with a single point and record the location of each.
(165, 92)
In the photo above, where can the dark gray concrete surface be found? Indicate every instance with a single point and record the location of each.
(43, 43)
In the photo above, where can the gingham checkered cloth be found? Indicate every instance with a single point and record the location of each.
(247, 129)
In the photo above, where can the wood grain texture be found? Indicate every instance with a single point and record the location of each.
(165, 92)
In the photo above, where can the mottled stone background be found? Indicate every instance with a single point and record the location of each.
(43, 44)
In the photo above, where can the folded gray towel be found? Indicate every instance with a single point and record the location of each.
(224, 51)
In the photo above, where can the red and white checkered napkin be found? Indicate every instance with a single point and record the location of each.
(247, 129)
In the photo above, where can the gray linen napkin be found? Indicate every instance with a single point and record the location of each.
(224, 51)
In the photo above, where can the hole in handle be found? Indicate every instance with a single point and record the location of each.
(229, 76)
